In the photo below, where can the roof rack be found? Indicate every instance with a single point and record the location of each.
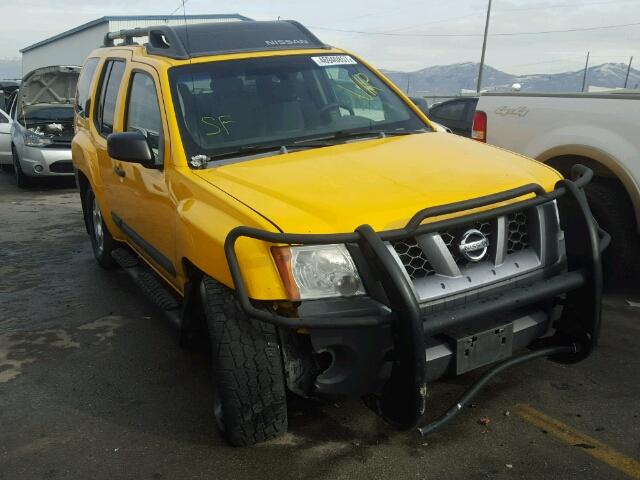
(161, 38)
(197, 40)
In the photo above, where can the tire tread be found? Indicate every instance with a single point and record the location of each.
(613, 211)
(248, 369)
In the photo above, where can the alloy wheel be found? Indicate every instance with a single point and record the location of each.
(98, 226)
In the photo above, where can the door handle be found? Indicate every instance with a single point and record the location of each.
(119, 171)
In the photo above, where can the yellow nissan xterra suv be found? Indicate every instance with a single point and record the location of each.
(289, 198)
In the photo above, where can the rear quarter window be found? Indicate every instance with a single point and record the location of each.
(84, 84)
(108, 95)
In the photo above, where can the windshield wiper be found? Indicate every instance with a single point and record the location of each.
(255, 149)
(317, 142)
(342, 134)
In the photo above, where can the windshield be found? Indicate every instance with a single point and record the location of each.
(222, 106)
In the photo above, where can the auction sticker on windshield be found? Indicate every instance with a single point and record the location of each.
(331, 60)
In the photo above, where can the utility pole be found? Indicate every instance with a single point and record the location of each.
(626, 80)
(584, 77)
(484, 47)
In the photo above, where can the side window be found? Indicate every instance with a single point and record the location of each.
(3, 119)
(143, 112)
(451, 111)
(108, 94)
(82, 90)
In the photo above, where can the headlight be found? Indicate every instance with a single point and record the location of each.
(317, 271)
(35, 139)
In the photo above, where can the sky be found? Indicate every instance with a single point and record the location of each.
(400, 34)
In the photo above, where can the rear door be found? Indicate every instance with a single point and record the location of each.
(5, 138)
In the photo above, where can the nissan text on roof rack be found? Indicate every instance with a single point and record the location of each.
(287, 197)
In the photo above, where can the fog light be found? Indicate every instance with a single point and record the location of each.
(37, 168)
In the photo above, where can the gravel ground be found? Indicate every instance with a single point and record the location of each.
(94, 385)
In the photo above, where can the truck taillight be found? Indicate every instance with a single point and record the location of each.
(479, 129)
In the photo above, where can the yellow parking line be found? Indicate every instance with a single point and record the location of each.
(593, 447)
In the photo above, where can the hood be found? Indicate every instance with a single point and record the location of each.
(382, 182)
(56, 84)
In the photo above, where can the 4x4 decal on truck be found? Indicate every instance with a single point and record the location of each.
(520, 111)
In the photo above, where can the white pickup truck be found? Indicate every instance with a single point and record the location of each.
(601, 131)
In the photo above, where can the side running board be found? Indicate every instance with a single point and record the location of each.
(150, 284)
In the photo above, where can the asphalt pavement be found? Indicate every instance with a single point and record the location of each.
(94, 385)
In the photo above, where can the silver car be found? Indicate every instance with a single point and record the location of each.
(42, 127)
(5, 139)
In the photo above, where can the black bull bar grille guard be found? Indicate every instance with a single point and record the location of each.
(402, 400)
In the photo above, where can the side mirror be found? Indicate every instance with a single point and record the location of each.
(130, 147)
(421, 103)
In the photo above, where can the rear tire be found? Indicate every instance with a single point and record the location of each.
(613, 211)
(249, 389)
(22, 180)
(101, 240)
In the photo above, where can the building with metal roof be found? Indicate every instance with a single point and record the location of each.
(72, 46)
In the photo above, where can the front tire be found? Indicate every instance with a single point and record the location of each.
(101, 240)
(249, 389)
(22, 180)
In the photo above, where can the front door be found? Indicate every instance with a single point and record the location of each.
(141, 202)
(137, 197)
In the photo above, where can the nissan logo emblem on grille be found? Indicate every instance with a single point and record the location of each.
(474, 245)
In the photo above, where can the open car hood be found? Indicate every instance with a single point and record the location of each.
(55, 84)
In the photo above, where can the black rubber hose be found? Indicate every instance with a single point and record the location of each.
(476, 387)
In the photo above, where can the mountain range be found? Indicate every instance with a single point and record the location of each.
(451, 79)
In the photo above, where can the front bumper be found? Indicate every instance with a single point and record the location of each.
(398, 347)
(46, 162)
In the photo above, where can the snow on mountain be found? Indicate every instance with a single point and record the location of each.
(451, 79)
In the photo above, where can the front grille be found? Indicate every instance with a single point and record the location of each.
(61, 166)
(418, 265)
(517, 232)
(413, 259)
(437, 268)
